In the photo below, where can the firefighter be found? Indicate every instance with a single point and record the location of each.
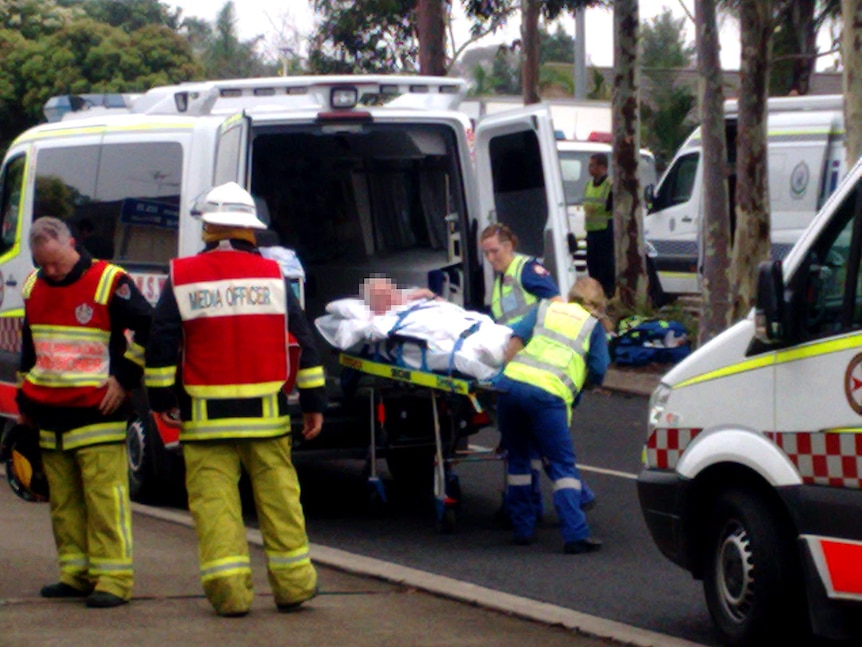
(78, 367)
(224, 317)
(554, 350)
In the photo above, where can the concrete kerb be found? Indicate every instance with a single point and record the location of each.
(460, 591)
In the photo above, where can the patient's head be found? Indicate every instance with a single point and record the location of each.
(380, 294)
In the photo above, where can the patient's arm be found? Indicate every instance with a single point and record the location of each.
(419, 293)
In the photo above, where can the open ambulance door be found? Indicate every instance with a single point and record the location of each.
(520, 185)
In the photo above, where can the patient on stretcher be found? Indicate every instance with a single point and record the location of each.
(415, 329)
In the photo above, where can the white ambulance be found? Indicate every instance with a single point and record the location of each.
(805, 147)
(753, 461)
(358, 175)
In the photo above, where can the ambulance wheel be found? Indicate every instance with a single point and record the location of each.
(751, 576)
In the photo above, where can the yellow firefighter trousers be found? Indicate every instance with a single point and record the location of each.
(212, 475)
(92, 517)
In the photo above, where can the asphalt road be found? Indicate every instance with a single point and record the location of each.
(628, 581)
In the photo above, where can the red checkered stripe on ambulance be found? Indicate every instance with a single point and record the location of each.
(824, 458)
(666, 445)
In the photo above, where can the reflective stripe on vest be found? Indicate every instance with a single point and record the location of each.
(70, 357)
(596, 214)
(555, 357)
(508, 288)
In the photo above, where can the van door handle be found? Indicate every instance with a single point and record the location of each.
(687, 219)
(11, 282)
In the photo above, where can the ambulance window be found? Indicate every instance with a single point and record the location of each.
(832, 268)
(678, 184)
(121, 201)
(11, 186)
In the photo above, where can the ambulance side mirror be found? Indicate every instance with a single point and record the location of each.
(769, 309)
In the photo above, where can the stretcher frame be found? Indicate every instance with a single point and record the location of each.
(447, 491)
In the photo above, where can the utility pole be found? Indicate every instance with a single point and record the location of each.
(580, 54)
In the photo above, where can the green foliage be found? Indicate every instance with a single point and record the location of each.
(558, 77)
(663, 45)
(558, 47)
(34, 19)
(225, 56)
(364, 36)
(599, 90)
(667, 116)
(131, 15)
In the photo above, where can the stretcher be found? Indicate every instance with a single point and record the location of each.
(378, 376)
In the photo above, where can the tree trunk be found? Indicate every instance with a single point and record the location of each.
(851, 53)
(530, 51)
(628, 215)
(751, 242)
(715, 226)
(431, 34)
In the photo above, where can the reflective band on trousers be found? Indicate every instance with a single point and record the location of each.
(225, 567)
(509, 284)
(567, 483)
(291, 559)
(104, 432)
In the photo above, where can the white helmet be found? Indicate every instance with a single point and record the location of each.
(229, 205)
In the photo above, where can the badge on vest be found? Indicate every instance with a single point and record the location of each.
(83, 313)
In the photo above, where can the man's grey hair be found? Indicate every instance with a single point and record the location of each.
(49, 228)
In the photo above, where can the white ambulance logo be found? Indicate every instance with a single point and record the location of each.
(853, 384)
(83, 313)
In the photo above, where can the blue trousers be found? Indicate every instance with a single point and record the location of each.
(530, 418)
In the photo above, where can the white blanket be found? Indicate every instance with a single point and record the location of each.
(350, 324)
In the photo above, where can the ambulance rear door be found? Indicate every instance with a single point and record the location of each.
(233, 151)
(520, 185)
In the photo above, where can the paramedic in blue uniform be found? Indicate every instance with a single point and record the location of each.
(555, 350)
(218, 352)
(520, 281)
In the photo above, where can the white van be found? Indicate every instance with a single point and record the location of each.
(574, 163)
(358, 175)
(805, 144)
(753, 460)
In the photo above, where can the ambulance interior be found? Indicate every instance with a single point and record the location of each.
(357, 200)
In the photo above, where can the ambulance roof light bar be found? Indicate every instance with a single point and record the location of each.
(328, 93)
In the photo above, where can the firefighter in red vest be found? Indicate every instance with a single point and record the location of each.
(78, 366)
(223, 318)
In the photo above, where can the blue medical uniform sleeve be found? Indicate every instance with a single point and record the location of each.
(523, 329)
(598, 358)
(538, 281)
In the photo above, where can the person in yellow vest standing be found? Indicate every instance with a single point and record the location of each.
(78, 367)
(223, 318)
(555, 349)
(599, 223)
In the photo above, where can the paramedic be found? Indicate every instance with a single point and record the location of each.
(78, 368)
(554, 351)
(520, 280)
(223, 318)
(599, 223)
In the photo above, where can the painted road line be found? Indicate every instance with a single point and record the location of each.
(586, 468)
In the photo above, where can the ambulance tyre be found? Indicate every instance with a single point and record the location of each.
(751, 576)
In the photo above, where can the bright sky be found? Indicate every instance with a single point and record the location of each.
(271, 17)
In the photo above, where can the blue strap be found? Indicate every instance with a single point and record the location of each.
(403, 315)
(460, 342)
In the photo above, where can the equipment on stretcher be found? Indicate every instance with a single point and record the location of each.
(446, 390)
